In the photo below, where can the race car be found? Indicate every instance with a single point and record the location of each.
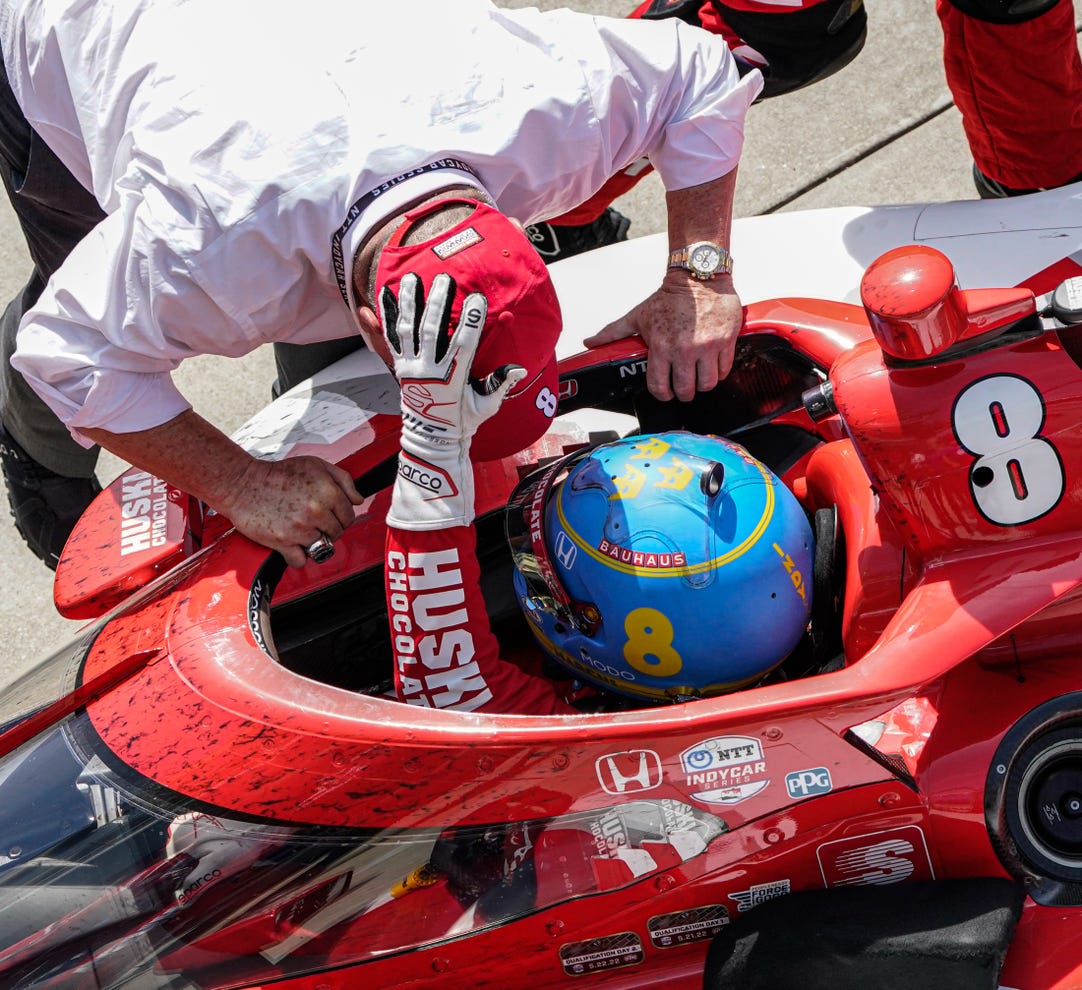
(213, 787)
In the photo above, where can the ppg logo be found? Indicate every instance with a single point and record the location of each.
(807, 783)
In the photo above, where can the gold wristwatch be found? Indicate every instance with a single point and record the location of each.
(703, 259)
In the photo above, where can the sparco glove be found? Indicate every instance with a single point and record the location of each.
(442, 407)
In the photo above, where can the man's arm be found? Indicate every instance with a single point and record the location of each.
(284, 505)
(689, 326)
(681, 102)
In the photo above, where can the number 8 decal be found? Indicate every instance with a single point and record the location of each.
(649, 646)
(546, 402)
(1017, 475)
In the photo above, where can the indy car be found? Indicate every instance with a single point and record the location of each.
(213, 786)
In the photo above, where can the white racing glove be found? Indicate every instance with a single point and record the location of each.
(442, 407)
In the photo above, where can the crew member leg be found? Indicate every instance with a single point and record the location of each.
(1019, 89)
(50, 478)
(296, 362)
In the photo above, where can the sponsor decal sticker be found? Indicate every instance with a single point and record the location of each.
(808, 783)
(599, 954)
(681, 927)
(647, 561)
(457, 242)
(258, 612)
(794, 574)
(725, 770)
(565, 551)
(144, 512)
(759, 893)
(876, 860)
(433, 482)
(630, 771)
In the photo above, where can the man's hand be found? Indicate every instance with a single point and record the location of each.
(690, 328)
(286, 505)
(442, 406)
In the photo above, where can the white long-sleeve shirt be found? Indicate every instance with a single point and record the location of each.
(229, 144)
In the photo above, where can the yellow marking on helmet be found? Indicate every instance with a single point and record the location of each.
(630, 484)
(707, 565)
(634, 688)
(675, 477)
(654, 447)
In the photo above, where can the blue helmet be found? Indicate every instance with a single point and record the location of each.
(662, 566)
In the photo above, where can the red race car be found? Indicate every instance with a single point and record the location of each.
(212, 787)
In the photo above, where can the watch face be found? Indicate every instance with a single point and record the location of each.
(705, 259)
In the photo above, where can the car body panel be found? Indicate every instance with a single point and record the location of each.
(359, 841)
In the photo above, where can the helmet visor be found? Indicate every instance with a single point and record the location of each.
(524, 524)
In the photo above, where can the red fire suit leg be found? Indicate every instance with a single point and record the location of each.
(1019, 89)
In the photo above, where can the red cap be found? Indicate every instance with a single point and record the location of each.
(487, 253)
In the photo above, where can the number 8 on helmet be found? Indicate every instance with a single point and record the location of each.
(664, 567)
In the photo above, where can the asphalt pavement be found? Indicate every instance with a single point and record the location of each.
(883, 130)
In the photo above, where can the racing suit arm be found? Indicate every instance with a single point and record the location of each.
(445, 654)
(689, 326)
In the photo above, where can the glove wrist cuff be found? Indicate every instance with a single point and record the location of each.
(433, 489)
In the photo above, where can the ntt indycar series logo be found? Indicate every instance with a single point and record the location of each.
(725, 770)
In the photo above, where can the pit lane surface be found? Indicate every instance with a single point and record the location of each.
(883, 130)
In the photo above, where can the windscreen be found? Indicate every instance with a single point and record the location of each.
(107, 880)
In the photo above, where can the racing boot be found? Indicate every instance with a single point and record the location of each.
(45, 505)
(554, 242)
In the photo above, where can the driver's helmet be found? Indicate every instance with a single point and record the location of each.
(664, 566)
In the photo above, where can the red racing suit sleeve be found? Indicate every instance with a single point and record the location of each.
(445, 653)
